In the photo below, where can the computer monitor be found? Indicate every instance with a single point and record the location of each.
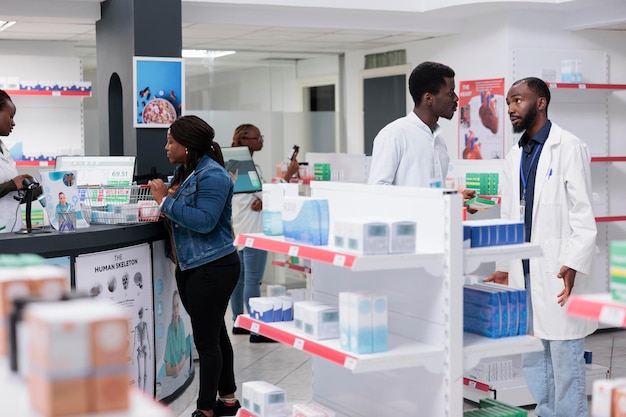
(99, 170)
(239, 162)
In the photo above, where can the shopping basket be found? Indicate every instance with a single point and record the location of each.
(118, 205)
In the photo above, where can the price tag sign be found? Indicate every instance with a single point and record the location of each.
(350, 363)
(612, 315)
(298, 343)
(339, 260)
(249, 242)
(255, 328)
(582, 86)
(293, 251)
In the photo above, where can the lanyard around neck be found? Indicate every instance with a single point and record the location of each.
(521, 169)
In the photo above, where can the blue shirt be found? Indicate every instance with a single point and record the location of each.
(531, 151)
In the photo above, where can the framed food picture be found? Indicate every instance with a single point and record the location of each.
(158, 85)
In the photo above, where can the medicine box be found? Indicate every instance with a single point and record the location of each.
(269, 400)
(262, 309)
(299, 308)
(402, 236)
(306, 220)
(366, 237)
(321, 321)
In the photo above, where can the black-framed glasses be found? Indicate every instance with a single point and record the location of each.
(258, 138)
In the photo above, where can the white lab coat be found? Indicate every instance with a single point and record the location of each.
(564, 226)
(10, 214)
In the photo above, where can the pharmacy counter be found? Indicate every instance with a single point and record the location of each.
(17, 403)
(94, 238)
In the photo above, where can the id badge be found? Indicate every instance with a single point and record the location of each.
(522, 210)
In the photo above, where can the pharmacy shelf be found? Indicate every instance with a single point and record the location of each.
(474, 257)
(476, 347)
(600, 307)
(587, 86)
(287, 265)
(402, 353)
(331, 255)
(49, 93)
(610, 219)
(608, 159)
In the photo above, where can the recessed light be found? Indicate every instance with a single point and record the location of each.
(203, 53)
(5, 24)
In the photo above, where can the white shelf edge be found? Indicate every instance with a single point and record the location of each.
(477, 347)
(402, 353)
(335, 256)
(476, 256)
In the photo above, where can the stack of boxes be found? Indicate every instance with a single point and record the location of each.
(375, 237)
(78, 355)
(617, 270)
(492, 232)
(494, 310)
(363, 322)
(264, 399)
(484, 183)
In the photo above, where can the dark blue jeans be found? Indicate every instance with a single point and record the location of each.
(204, 292)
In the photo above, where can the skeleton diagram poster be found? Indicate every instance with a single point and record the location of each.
(124, 276)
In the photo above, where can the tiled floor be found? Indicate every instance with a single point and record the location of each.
(290, 368)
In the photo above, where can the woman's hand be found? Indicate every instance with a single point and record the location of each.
(292, 169)
(159, 189)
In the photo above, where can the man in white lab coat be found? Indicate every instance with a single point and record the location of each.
(547, 185)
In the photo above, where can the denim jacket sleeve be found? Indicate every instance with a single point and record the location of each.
(199, 202)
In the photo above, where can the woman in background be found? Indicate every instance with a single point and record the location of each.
(10, 181)
(247, 218)
(198, 211)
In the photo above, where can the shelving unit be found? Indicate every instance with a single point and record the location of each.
(598, 307)
(49, 93)
(423, 369)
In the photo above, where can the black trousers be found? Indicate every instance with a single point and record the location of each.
(204, 292)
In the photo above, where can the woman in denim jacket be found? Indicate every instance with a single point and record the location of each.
(198, 211)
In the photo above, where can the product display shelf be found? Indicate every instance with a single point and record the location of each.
(587, 86)
(287, 265)
(600, 307)
(331, 255)
(49, 93)
(428, 349)
(16, 402)
(477, 347)
(608, 159)
(402, 353)
(474, 257)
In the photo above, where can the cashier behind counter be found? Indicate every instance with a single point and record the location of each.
(12, 185)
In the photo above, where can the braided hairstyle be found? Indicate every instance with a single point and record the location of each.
(197, 136)
(4, 99)
(240, 131)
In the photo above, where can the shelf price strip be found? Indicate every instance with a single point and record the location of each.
(318, 349)
(321, 254)
(610, 313)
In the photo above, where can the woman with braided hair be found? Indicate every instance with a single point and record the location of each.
(198, 211)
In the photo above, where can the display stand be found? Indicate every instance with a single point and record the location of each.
(423, 368)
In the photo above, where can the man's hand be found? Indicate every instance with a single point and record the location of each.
(568, 275)
(256, 205)
(498, 277)
(468, 195)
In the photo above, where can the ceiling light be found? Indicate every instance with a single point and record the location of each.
(5, 24)
(203, 53)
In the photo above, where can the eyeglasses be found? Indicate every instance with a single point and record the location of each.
(258, 138)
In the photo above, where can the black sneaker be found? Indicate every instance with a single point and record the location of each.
(198, 413)
(257, 338)
(222, 409)
(240, 330)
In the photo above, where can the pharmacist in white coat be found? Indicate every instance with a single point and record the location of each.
(547, 185)
(10, 181)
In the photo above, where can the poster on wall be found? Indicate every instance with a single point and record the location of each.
(158, 86)
(481, 119)
(124, 276)
(173, 335)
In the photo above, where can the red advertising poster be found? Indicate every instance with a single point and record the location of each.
(481, 119)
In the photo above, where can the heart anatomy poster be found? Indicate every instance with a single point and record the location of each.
(481, 119)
